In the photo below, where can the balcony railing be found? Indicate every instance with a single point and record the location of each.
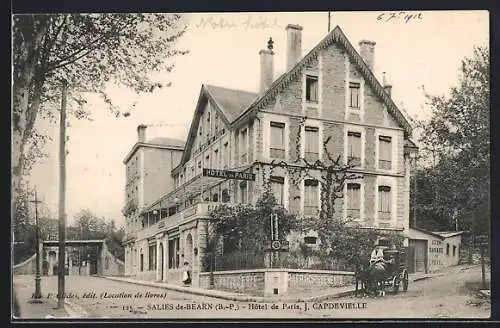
(130, 236)
(199, 209)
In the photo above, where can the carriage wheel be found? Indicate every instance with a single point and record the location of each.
(395, 284)
(405, 280)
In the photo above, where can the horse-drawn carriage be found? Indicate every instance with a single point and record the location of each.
(388, 271)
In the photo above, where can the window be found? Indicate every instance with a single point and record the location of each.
(142, 261)
(243, 146)
(353, 200)
(226, 155)
(311, 143)
(384, 202)
(216, 158)
(311, 88)
(277, 187)
(354, 148)
(454, 250)
(277, 149)
(447, 249)
(208, 125)
(216, 123)
(354, 95)
(243, 192)
(311, 200)
(152, 257)
(173, 253)
(207, 162)
(310, 240)
(225, 196)
(385, 153)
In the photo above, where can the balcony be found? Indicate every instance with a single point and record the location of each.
(129, 236)
(201, 209)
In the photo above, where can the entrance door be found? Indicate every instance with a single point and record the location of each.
(419, 254)
(410, 257)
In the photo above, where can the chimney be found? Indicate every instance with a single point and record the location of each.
(141, 133)
(266, 66)
(294, 45)
(387, 87)
(366, 50)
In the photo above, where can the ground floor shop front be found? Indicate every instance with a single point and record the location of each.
(163, 251)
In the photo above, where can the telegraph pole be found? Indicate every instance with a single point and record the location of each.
(415, 192)
(329, 17)
(62, 199)
(38, 291)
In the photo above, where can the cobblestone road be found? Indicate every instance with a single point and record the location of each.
(439, 297)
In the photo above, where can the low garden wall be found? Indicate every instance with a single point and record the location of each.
(26, 267)
(305, 279)
(241, 281)
(253, 281)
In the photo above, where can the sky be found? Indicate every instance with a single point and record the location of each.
(414, 49)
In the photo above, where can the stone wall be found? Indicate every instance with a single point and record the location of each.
(26, 267)
(242, 281)
(252, 281)
(306, 279)
(111, 265)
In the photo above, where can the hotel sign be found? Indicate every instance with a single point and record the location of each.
(228, 174)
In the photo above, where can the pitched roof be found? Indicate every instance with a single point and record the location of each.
(236, 104)
(231, 102)
(166, 142)
(410, 144)
(337, 36)
(427, 232)
(447, 234)
(159, 142)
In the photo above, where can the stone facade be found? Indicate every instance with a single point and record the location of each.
(231, 130)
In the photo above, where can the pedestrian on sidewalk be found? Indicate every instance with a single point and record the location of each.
(186, 274)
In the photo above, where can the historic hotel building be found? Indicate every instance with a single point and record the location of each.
(331, 91)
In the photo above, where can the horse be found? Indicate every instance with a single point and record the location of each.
(379, 273)
(361, 275)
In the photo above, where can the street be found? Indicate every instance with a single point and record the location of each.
(445, 296)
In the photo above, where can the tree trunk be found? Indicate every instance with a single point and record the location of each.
(28, 53)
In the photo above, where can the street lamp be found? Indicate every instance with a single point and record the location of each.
(38, 291)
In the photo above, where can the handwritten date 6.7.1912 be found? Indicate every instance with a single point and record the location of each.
(401, 16)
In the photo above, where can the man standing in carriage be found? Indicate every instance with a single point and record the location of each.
(377, 255)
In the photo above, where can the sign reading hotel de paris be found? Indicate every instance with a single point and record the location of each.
(228, 174)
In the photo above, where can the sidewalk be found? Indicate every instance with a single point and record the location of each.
(28, 310)
(421, 276)
(292, 296)
(23, 291)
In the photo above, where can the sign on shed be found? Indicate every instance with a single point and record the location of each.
(482, 241)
